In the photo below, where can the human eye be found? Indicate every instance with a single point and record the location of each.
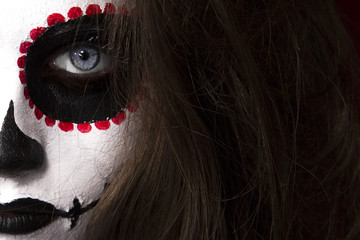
(69, 70)
(80, 66)
(82, 58)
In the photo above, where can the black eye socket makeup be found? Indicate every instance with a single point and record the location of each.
(68, 71)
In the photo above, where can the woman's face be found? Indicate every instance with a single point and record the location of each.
(60, 133)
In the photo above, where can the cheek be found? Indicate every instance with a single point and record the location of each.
(78, 157)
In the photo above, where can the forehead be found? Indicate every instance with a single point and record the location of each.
(20, 16)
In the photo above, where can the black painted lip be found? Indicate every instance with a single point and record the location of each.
(27, 215)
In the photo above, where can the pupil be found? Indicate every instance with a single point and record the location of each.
(84, 55)
(85, 58)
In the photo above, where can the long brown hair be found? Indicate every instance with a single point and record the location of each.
(248, 127)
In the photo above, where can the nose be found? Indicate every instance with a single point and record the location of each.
(18, 152)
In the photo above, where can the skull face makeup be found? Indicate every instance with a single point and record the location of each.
(60, 133)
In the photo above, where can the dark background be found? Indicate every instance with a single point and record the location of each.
(350, 14)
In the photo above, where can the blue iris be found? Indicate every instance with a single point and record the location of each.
(85, 58)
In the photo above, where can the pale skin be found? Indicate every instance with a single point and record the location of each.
(76, 165)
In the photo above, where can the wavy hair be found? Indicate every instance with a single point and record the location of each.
(247, 127)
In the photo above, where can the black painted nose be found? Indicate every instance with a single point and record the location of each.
(18, 152)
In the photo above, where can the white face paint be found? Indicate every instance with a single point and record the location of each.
(76, 165)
